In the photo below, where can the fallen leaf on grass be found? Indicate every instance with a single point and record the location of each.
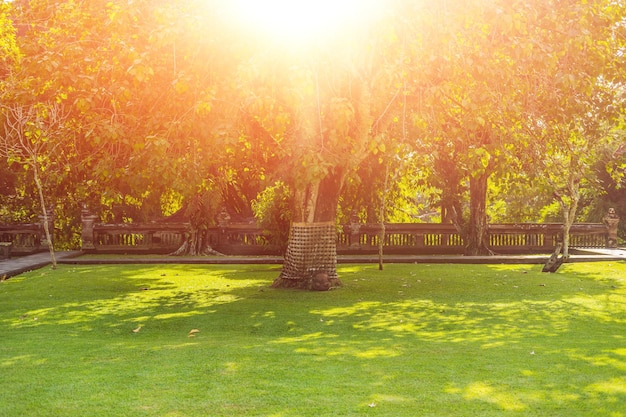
(136, 330)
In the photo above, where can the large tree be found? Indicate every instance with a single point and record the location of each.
(467, 102)
(325, 107)
(31, 136)
(35, 132)
(140, 82)
(574, 66)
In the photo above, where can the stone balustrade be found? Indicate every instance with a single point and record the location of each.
(354, 238)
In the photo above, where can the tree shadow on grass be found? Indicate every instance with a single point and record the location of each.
(496, 339)
(85, 298)
(529, 324)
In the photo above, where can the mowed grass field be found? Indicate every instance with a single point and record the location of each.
(412, 340)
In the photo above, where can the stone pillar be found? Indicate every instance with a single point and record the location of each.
(223, 220)
(611, 221)
(5, 250)
(86, 235)
(354, 229)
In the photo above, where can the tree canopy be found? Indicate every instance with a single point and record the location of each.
(479, 109)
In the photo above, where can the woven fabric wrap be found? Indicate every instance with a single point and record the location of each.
(312, 249)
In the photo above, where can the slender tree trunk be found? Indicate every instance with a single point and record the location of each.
(44, 211)
(569, 205)
(311, 257)
(478, 227)
(569, 216)
(383, 209)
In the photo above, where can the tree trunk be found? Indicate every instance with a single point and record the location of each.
(569, 215)
(200, 212)
(452, 212)
(44, 211)
(450, 184)
(383, 209)
(196, 244)
(478, 228)
(554, 262)
(311, 257)
(569, 205)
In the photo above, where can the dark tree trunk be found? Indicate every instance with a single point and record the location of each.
(554, 262)
(311, 257)
(452, 212)
(196, 244)
(478, 228)
(451, 194)
(200, 213)
(451, 208)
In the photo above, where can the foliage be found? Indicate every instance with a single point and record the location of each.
(465, 101)
(9, 51)
(273, 213)
(460, 340)
(479, 117)
(572, 108)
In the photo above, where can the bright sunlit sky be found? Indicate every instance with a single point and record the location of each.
(296, 21)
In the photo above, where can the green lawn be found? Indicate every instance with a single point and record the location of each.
(412, 340)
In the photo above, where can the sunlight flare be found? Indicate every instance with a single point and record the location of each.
(295, 22)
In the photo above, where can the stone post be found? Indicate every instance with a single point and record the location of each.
(223, 220)
(5, 250)
(611, 221)
(355, 230)
(86, 235)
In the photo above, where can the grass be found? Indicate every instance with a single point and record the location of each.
(412, 340)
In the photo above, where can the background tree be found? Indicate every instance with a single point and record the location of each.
(467, 102)
(36, 132)
(32, 138)
(140, 82)
(611, 167)
(572, 62)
